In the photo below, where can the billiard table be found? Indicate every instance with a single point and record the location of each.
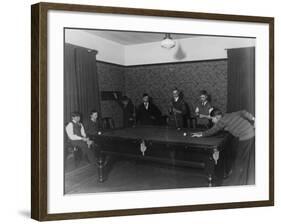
(161, 144)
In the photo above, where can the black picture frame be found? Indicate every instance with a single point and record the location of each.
(39, 108)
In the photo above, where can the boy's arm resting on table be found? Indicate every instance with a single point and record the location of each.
(204, 116)
(247, 115)
(216, 128)
(70, 134)
(196, 134)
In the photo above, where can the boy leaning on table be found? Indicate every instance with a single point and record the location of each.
(241, 125)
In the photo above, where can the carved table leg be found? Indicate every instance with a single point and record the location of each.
(210, 180)
(211, 165)
(100, 165)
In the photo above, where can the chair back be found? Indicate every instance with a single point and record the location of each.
(107, 123)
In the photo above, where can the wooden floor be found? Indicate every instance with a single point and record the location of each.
(129, 175)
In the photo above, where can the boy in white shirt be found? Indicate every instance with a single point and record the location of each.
(77, 136)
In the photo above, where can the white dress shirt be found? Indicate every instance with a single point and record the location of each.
(146, 105)
(204, 103)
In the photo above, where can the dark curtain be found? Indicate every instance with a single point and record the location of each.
(87, 81)
(241, 79)
(70, 85)
(81, 92)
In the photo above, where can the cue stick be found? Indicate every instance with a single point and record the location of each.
(175, 119)
(135, 115)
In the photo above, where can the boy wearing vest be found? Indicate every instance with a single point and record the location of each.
(77, 136)
(203, 110)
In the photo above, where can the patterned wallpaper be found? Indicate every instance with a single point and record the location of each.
(191, 77)
(111, 78)
(159, 80)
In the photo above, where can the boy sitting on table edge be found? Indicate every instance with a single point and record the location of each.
(241, 125)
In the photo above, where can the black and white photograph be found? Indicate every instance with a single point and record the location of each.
(157, 110)
(138, 111)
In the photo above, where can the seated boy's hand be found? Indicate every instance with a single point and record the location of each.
(84, 139)
(89, 143)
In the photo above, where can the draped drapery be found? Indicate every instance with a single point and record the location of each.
(70, 86)
(241, 79)
(241, 91)
(81, 92)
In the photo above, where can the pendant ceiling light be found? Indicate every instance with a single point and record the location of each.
(168, 42)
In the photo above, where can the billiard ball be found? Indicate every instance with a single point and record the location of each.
(184, 134)
(99, 133)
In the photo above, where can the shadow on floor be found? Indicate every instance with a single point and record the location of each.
(132, 176)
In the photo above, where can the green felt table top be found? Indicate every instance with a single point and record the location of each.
(163, 134)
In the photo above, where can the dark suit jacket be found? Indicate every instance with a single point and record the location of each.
(128, 113)
(178, 119)
(92, 128)
(150, 116)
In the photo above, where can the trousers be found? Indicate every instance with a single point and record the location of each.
(85, 150)
(243, 171)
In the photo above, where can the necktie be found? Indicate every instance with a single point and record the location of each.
(146, 105)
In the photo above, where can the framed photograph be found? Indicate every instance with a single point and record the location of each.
(139, 111)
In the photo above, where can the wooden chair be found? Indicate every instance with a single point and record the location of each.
(107, 123)
(191, 122)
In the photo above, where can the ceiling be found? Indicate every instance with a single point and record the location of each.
(130, 38)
